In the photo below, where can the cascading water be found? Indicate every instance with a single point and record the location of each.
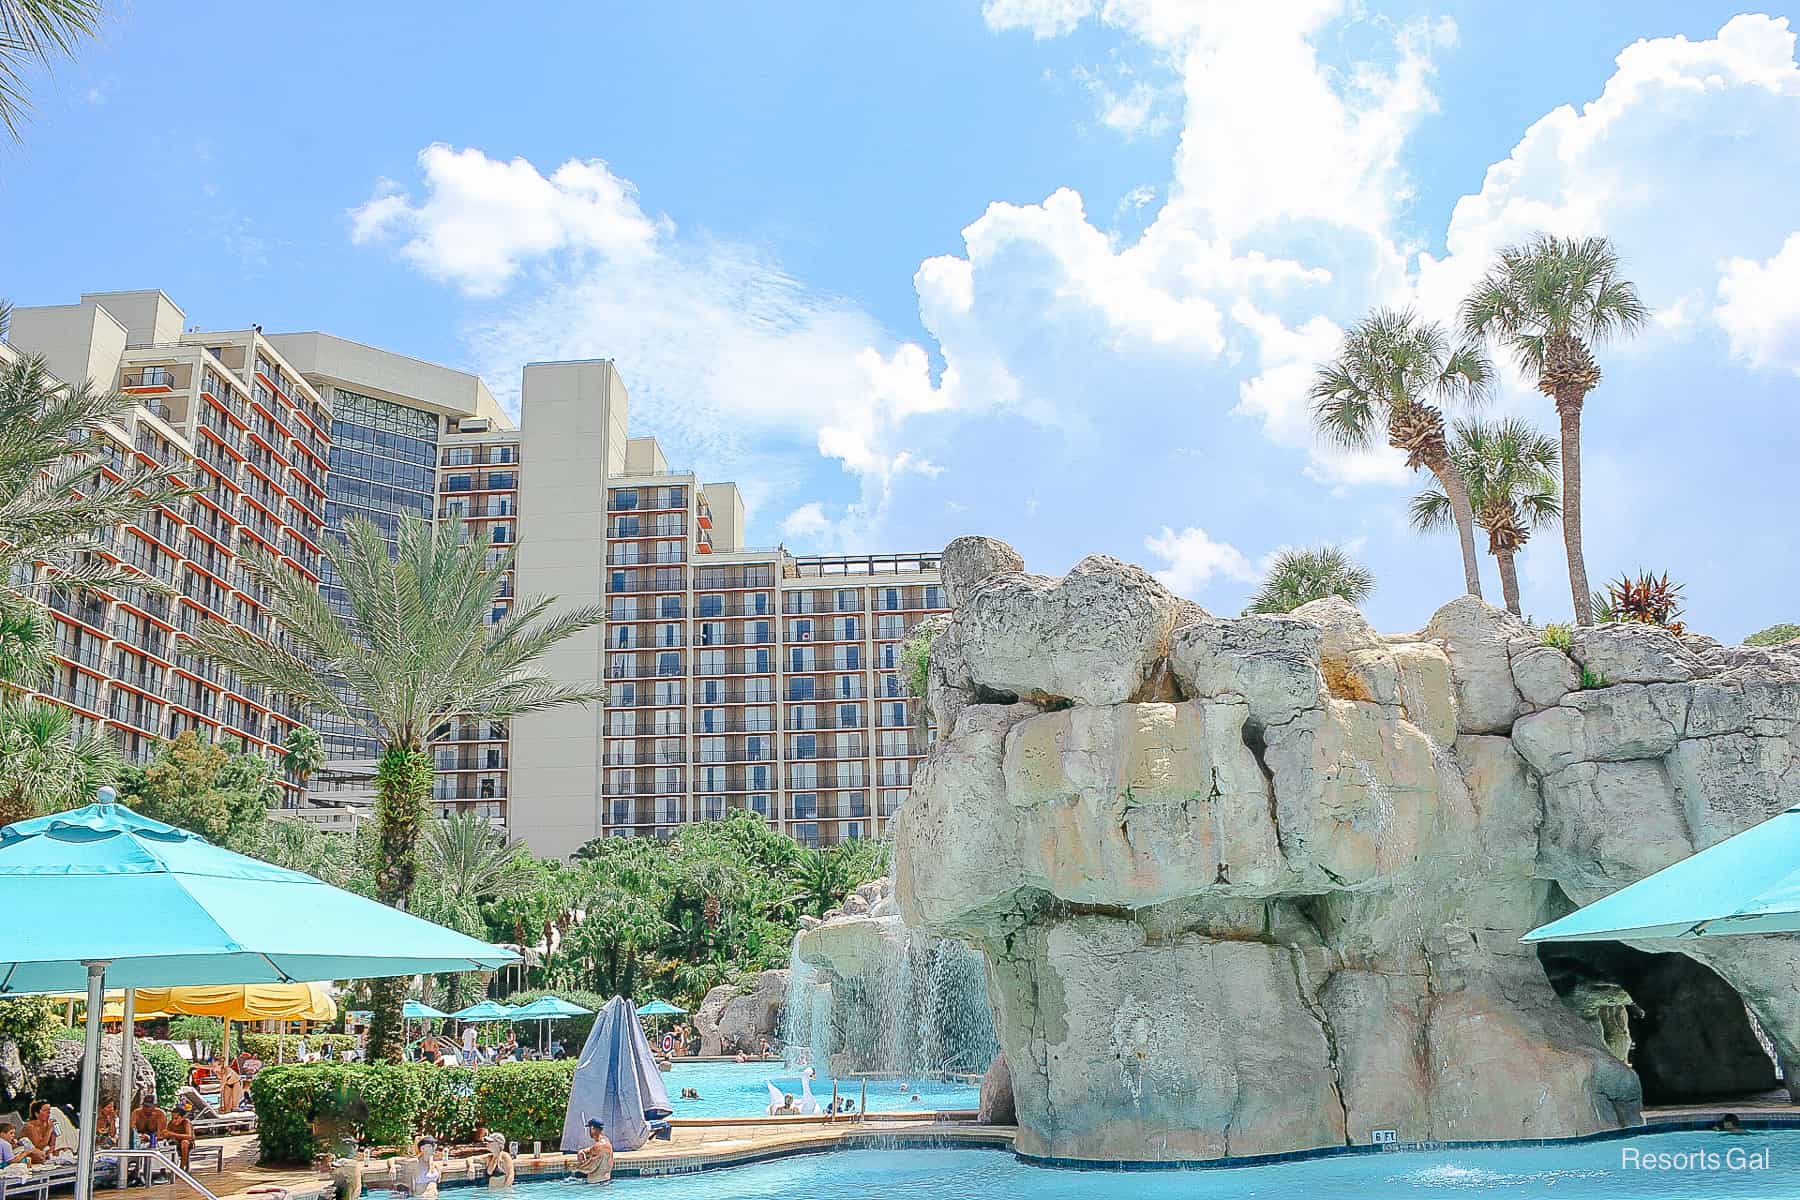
(918, 1007)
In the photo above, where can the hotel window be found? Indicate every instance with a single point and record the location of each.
(668, 693)
(852, 831)
(756, 749)
(624, 637)
(759, 691)
(855, 804)
(668, 810)
(895, 743)
(887, 656)
(621, 812)
(806, 805)
(803, 745)
(711, 633)
(625, 526)
(801, 688)
(757, 603)
(845, 629)
(893, 713)
(849, 745)
(710, 720)
(807, 835)
(456, 508)
(624, 608)
(457, 483)
(668, 662)
(803, 775)
(890, 685)
(934, 596)
(669, 525)
(710, 606)
(759, 804)
(670, 552)
(802, 658)
(667, 721)
(711, 662)
(848, 600)
(712, 779)
(800, 630)
(849, 716)
(711, 691)
(712, 750)
(460, 456)
(758, 776)
(668, 635)
(852, 774)
(802, 716)
(623, 693)
(759, 718)
(621, 666)
(667, 779)
(714, 808)
(668, 750)
(756, 632)
(887, 598)
(890, 627)
(846, 658)
(625, 553)
(625, 499)
(847, 687)
(668, 606)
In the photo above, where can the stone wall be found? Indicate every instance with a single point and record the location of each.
(1254, 885)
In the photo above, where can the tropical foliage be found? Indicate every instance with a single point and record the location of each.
(1510, 470)
(47, 764)
(1774, 635)
(1390, 379)
(1645, 598)
(32, 34)
(415, 649)
(1299, 577)
(1549, 302)
(214, 789)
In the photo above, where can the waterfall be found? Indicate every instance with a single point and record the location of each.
(805, 1030)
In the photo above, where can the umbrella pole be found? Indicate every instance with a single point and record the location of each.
(127, 1073)
(90, 1081)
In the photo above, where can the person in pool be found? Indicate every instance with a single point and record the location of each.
(595, 1163)
(421, 1181)
(499, 1164)
(1729, 1123)
(788, 1107)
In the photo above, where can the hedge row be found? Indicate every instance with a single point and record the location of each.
(274, 1047)
(170, 1067)
(303, 1108)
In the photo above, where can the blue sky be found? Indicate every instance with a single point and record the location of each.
(1053, 270)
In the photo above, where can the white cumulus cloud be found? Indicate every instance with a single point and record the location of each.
(1759, 307)
(1192, 560)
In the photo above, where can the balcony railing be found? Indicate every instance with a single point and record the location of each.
(149, 377)
(645, 585)
(618, 558)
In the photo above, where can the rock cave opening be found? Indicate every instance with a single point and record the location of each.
(1685, 1031)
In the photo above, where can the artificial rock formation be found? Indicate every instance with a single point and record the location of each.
(1256, 885)
(736, 1020)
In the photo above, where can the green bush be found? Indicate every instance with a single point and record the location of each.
(376, 1103)
(1559, 636)
(200, 1033)
(280, 1047)
(526, 1101)
(1590, 681)
(383, 1104)
(171, 1069)
(33, 1024)
(1774, 635)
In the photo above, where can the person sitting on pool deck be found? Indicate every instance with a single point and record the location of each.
(596, 1162)
(147, 1120)
(180, 1131)
(12, 1149)
(40, 1131)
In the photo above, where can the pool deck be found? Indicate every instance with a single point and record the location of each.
(700, 1144)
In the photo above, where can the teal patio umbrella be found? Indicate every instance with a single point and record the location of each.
(660, 1008)
(416, 1010)
(1748, 883)
(128, 902)
(487, 1010)
(546, 1009)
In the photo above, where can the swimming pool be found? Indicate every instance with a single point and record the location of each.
(1598, 1170)
(740, 1090)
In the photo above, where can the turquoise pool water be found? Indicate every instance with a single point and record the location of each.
(739, 1090)
(1584, 1171)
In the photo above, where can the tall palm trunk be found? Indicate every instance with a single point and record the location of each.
(402, 796)
(1568, 408)
(1509, 581)
(1451, 480)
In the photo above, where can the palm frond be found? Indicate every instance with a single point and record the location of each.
(1430, 511)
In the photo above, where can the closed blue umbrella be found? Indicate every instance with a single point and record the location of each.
(1749, 883)
(136, 903)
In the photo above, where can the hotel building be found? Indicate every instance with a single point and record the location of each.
(738, 677)
(255, 441)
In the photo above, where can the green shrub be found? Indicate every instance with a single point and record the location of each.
(1774, 635)
(383, 1104)
(1590, 681)
(202, 1034)
(1559, 636)
(33, 1024)
(282, 1047)
(915, 658)
(526, 1101)
(447, 1103)
(376, 1103)
(171, 1069)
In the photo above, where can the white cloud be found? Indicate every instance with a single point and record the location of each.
(1132, 109)
(806, 522)
(1042, 18)
(1192, 560)
(1759, 307)
(482, 218)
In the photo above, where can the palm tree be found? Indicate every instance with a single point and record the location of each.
(1550, 301)
(1510, 469)
(25, 641)
(1299, 577)
(415, 649)
(470, 861)
(31, 31)
(57, 503)
(46, 765)
(302, 754)
(1394, 371)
